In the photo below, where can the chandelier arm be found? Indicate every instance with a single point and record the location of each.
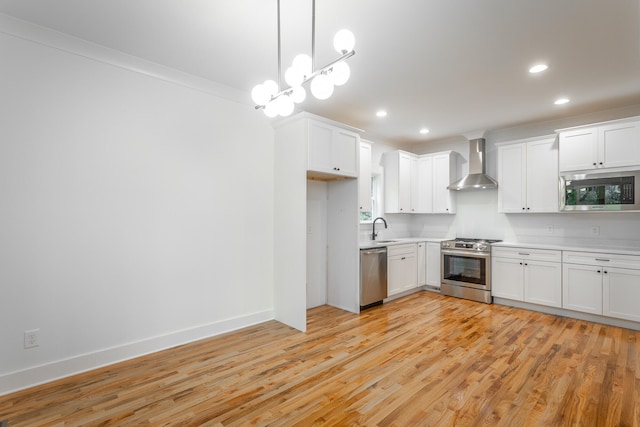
(288, 90)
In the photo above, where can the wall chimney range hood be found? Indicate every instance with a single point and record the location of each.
(477, 179)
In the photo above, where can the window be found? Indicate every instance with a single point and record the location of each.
(376, 186)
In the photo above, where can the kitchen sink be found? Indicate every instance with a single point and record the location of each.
(383, 241)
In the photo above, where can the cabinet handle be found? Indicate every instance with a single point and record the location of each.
(599, 271)
(523, 208)
(523, 253)
(403, 258)
(594, 163)
(520, 263)
(605, 272)
(528, 208)
(602, 259)
(600, 163)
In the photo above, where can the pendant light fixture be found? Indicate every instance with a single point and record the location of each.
(275, 100)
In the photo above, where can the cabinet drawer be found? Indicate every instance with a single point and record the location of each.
(527, 253)
(602, 259)
(409, 248)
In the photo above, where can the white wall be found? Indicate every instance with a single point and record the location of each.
(136, 214)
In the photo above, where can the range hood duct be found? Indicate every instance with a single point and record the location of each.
(477, 179)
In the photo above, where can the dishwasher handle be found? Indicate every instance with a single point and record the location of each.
(373, 251)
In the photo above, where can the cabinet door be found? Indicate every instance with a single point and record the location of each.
(364, 178)
(582, 288)
(414, 186)
(621, 293)
(320, 145)
(543, 283)
(619, 145)
(422, 264)
(507, 278)
(542, 176)
(442, 198)
(404, 183)
(578, 149)
(425, 184)
(402, 273)
(433, 264)
(395, 275)
(410, 270)
(345, 147)
(511, 173)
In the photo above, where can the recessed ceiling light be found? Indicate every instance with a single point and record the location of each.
(381, 113)
(561, 101)
(538, 68)
(424, 131)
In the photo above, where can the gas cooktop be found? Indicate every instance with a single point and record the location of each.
(468, 244)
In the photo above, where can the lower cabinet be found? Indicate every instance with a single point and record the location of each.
(433, 264)
(602, 283)
(530, 275)
(402, 268)
(422, 263)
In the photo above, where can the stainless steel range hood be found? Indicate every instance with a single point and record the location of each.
(477, 179)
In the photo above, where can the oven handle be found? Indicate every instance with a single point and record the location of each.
(467, 254)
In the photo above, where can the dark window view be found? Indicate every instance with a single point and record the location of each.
(615, 192)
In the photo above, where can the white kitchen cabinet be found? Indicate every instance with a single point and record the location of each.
(402, 268)
(364, 178)
(525, 274)
(605, 145)
(444, 173)
(418, 184)
(425, 184)
(602, 283)
(433, 264)
(422, 263)
(332, 150)
(397, 182)
(582, 288)
(528, 176)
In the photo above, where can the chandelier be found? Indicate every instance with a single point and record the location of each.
(275, 100)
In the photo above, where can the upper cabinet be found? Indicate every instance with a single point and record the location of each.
(333, 150)
(364, 178)
(528, 176)
(418, 184)
(605, 145)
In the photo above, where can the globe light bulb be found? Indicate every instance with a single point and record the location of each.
(321, 87)
(285, 105)
(293, 76)
(271, 109)
(340, 74)
(298, 94)
(270, 87)
(344, 41)
(259, 95)
(303, 64)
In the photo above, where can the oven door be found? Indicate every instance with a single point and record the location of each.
(471, 269)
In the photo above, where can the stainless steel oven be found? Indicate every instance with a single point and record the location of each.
(466, 269)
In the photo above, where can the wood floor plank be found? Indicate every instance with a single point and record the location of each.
(422, 360)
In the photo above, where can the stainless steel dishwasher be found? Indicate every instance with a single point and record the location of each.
(373, 276)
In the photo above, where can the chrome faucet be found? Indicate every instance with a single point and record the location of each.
(374, 234)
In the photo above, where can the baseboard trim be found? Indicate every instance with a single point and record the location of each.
(20, 380)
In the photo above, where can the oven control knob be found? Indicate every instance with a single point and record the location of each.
(445, 244)
(482, 247)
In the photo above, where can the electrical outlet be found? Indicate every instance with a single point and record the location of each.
(595, 230)
(550, 229)
(31, 338)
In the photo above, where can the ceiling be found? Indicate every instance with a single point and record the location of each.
(452, 66)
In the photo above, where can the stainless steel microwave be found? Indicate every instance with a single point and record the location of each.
(608, 191)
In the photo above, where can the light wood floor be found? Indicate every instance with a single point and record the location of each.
(422, 360)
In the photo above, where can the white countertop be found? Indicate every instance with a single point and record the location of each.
(610, 249)
(397, 241)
